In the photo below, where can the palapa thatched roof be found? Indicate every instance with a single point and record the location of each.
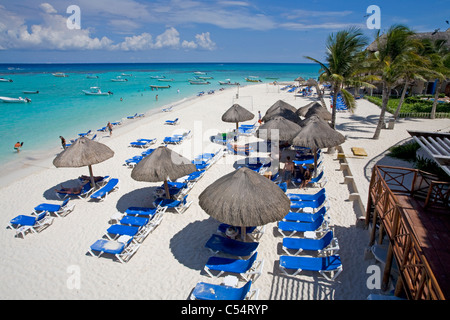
(301, 112)
(244, 198)
(318, 134)
(286, 129)
(320, 111)
(279, 105)
(236, 114)
(83, 152)
(162, 164)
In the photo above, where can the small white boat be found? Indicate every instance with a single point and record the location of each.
(31, 92)
(165, 80)
(60, 75)
(229, 83)
(119, 79)
(198, 82)
(127, 75)
(5, 80)
(199, 73)
(15, 100)
(95, 91)
(204, 78)
(159, 87)
(91, 76)
(157, 77)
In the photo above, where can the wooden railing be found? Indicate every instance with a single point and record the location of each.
(417, 278)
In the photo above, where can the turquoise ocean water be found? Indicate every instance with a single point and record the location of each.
(61, 108)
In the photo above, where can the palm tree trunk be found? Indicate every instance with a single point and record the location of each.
(435, 102)
(402, 99)
(386, 92)
(320, 95)
(336, 91)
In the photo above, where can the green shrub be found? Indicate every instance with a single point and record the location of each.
(405, 151)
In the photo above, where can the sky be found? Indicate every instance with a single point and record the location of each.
(145, 31)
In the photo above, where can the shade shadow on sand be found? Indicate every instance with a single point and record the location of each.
(188, 245)
(50, 194)
(143, 197)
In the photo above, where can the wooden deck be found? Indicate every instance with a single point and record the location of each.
(431, 228)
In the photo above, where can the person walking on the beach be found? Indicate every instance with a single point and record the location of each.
(63, 142)
(109, 126)
(288, 170)
(259, 117)
(17, 146)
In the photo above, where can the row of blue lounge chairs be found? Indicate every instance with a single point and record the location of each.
(106, 186)
(177, 138)
(306, 229)
(40, 218)
(123, 239)
(340, 103)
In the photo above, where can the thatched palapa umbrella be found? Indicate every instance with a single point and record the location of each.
(83, 152)
(237, 114)
(280, 104)
(283, 109)
(286, 129)
(244, 198)
(317, 134)
(301, 112)
(320, 111)
(160, 165)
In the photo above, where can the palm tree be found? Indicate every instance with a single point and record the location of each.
(439, 55)
(393, 50)
(342, 51)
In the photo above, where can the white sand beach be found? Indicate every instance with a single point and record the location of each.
(170, 261)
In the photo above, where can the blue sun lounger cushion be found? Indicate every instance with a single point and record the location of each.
(102, 193)
(306, 197)
(229, 246)
(290, 228)
(304, 216)
(123, 251)
(207, 291)
(249, 269)
(140, 211)
(134, 221)
(328, 243)
(23, 223)
(313, 205)
(326, 266)
(121, 230)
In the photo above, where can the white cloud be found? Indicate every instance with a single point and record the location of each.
(135, 43)
(48, 8)
(204, 41)
(170, 38)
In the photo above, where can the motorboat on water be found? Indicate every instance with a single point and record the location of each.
(157, 77)
(95, 91)
(159, 87)
(229, 83)
(119, 79)
(15, 100)
(127, 75)
(31, 92)
(91, 76)
(252, 79)
(5, 80)
(198, 82)
(165, 80)
(204, 78)
(199, 73)
(60, 75)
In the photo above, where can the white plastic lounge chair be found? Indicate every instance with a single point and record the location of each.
(180, 206)
(229, 246)
(23, 224)
(58, 210)
(101, 194)
(249, 269)
(305, 216)
(172, 122)
(206, 291)
(328, 244)
(329, 267)
(123, 249)
(167, 109)
(290, 228)
(310, 205)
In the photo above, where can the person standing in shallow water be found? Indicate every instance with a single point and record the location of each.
(17, 146)
(109, 126)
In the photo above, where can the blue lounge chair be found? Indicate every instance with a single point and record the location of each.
(134, 221)
(179, 205)
(314, 205)
(84, 134)
(328, 243)
(321, 180)
(172, 122)
(132, 117)
(249, 269)
(173, 140)
(123, 251)
(167, 109)
(140, 144)
(81, 193)
(304, 216)
(23, 223)
(237, 248)
(326, 266)
(102, 193)
(207, 291)
(140, 211)
(133, 161)
(290, 228)
(306, 197)
(59, 210)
